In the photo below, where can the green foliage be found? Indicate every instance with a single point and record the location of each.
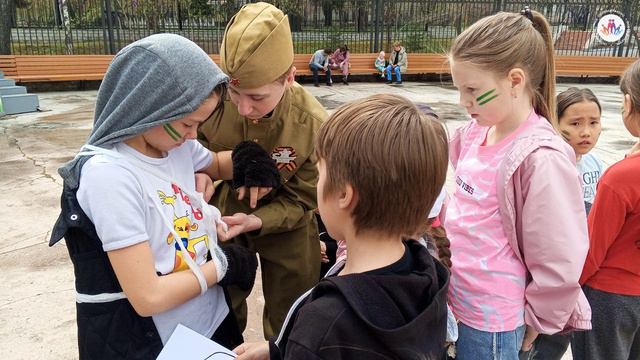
(201, 8)
(22, 4)
(87, 47)
(414, 42)
(334, 39)
(289, 7)
(338, 4)
(437, 46)
(315, 23)
(310, 46)
(90, 17)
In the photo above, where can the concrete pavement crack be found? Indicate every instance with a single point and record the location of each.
(44, 241)
(16, 143)
(34, 296)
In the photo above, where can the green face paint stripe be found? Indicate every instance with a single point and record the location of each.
(489, 99)
(488, 93)
(565, 134)
(170, 132)
(175, 132)
(175, 135)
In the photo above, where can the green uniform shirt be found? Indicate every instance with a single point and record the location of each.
(288, 135)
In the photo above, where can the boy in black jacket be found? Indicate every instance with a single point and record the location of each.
(381, 163)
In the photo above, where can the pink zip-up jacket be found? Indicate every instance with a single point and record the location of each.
(340, 57)
(540, 199)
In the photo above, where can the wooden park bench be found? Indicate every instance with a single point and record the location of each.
(421, 63)
(362, 64)
(592, 65)
(8, 66)
(48, 68)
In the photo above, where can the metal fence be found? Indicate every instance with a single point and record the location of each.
(105, 26)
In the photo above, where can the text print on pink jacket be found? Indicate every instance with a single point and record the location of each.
(540, 199)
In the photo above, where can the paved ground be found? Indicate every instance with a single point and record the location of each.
(37, 313)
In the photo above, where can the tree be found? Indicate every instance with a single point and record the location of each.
(293, 8)
(327, 9)
(361, 14)
(68, 39)
(5, 27)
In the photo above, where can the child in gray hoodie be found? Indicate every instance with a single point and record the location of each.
(143, 242)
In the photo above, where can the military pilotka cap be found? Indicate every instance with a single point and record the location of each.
(257, 46)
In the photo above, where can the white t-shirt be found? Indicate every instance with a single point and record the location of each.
(119, 198)
(590, 168)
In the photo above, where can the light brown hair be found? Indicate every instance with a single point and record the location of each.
(630, 85)
(282, 78)
(505, 41)
(394, 156)
(573, 95)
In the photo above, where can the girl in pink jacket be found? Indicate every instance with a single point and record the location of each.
(516, 219)
(340, 60)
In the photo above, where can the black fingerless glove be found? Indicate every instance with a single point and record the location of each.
(253, 166)
(243, 265)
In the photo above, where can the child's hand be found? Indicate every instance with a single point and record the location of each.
(255, 194)
(530, 336)
(204, 185)
(239, 223)
(253, 351)
(635, 148)
(323, 253)
(253, 168)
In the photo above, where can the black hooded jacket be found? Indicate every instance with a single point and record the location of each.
(371, 316)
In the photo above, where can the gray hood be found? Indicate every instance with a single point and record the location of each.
(150, 82)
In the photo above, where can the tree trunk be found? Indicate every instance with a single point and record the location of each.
(362, 19)
(68, 40)
(57, 15)
(14, 13)
(295, 23)
(5, 27)
(328, 14)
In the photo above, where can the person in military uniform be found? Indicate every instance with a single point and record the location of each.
(265, 105)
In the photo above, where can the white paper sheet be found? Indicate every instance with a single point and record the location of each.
(187, 344)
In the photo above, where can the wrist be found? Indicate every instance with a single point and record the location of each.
(216, 166)
(255, 223)
(210, 272)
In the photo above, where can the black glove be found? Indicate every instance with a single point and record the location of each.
(253, 166)
(242, 268)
